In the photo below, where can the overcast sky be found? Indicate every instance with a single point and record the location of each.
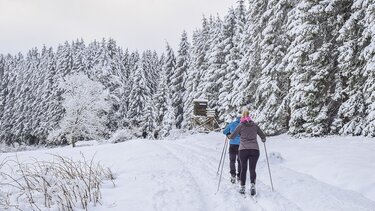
(134, 24)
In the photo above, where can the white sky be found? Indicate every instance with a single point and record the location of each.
(134, 24)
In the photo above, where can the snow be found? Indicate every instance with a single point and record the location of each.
(200, 100)
(331, 173)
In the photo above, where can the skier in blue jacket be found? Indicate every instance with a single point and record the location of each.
(233, 149)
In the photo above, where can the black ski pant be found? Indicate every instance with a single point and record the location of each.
(248, 157)
(233, 156)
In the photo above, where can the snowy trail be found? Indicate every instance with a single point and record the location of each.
(155, 181)
(181, 175)
(205, 176)
(229, 192)
(295, 191)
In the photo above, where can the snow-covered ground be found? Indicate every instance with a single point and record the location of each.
(334, 173)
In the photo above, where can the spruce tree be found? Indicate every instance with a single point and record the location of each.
(213, 76)
(178, 79)
(199, 61)
(349, 80)
(312, 67)
(228, 68)
(139, 96)
(368, 54)
(169, 65)
(272, 110)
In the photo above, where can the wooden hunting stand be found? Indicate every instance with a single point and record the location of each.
(204, 118)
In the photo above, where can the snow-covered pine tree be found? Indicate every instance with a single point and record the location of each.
(272, 109)
(249, 65)
(213, 76)
(368, 55)
(86, 104)
(302, 34)
(139, 96)
(199, 63)
(151, 73)
(204, 85)
(156, 68)
(119, 86)
(349, 80)
(190, 84)
(147, 117)
(311, 58)
(168, 122)
(169, 65)
(105, 71)
(78, 56)
(64, 59)
(227, 68)
(43, 98)
(178, 79)
(2, 67)
(151, 68)
(8, 98)
(26, 100)
(131, 60)
(3, 83)
(91, 56)
(162, 92)
(126, 81)
(235, 57)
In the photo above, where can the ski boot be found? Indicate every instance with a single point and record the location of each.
(242, 189)
(252, 189)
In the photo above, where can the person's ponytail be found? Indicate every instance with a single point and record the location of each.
(245, 112)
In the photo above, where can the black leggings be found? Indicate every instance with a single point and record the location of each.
(233, 156)
(248, 156)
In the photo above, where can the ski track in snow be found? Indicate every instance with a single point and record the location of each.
(205, 176)
(294, 190)
(229, 192)
(190, 189)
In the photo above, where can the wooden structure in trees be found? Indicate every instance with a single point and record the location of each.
(204, 118)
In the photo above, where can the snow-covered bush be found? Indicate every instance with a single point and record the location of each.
(58, 184)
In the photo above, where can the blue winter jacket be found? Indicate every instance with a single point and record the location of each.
(230, 129)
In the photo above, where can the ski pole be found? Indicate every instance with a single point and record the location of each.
(269, 171)
(225, 143)
(222, 165)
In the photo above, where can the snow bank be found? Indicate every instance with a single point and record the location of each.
(345, 162)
